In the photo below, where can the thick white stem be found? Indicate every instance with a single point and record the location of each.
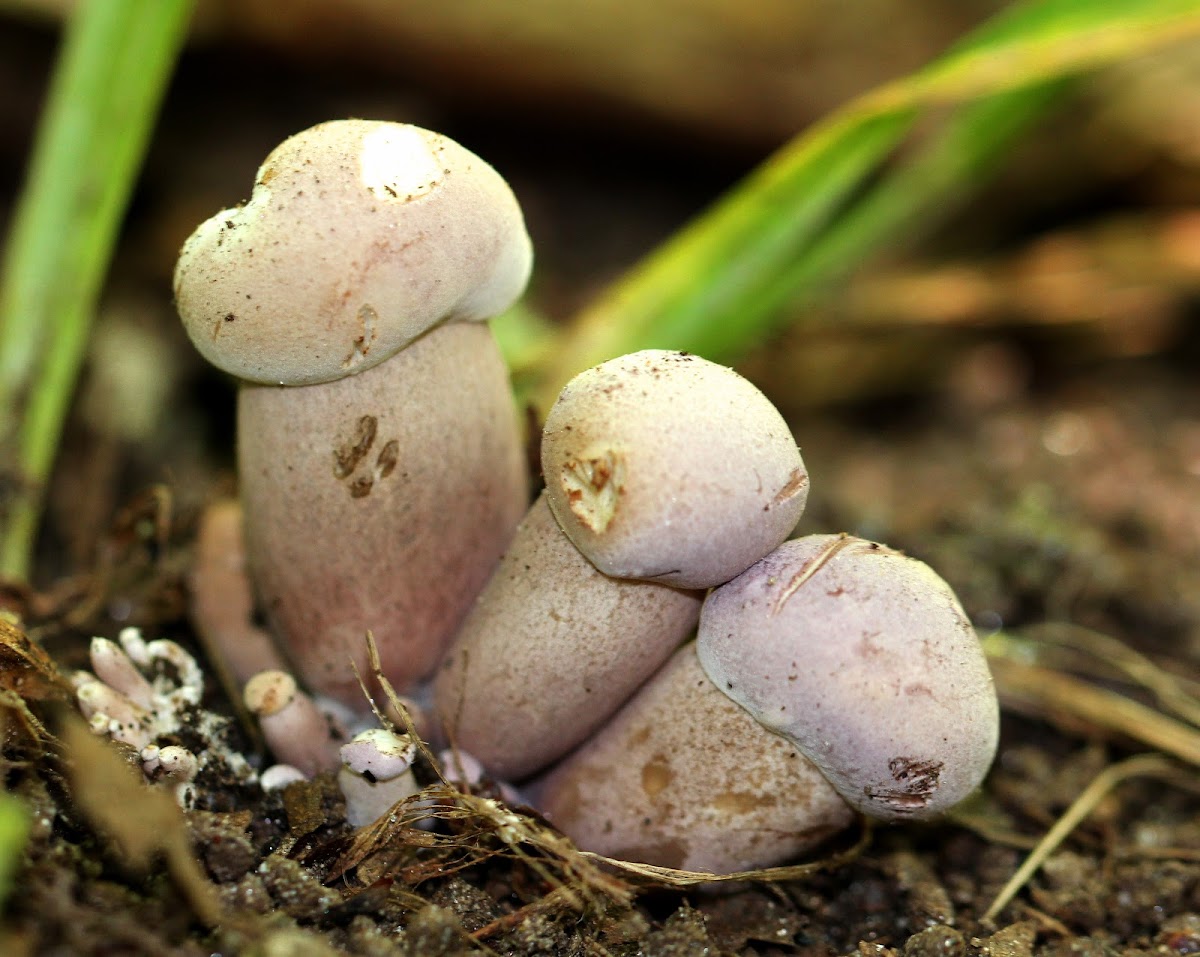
(551, 649)
(381, 502)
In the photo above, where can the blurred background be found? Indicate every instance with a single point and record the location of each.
(1009, 394)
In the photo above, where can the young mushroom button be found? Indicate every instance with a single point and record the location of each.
(665, 473)
(378, 451)
(664, 467)
(376, 773)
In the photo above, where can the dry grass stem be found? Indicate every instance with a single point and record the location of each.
(1143, 765)
(1069, 702)
(483, 827)
(807, 572)
(1094, 652)
(142, 821)
(671, 877)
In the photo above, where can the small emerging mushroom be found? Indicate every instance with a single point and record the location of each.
(295, 728)
(376, 773)
(279, 776)
(833, 674)
(665, 474)
(378, 450)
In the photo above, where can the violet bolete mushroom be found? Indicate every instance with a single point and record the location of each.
(666, 472)
(854, 677)
(865, 659)
(378, 449)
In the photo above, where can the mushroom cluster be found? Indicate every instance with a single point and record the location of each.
(665, 475)
(833, 676)
(382, 486)
(147, 695)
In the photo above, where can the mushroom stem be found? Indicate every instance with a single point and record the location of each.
(111, 713)
(411, 474)
(221, 603)
(551, 649)
(117, 670)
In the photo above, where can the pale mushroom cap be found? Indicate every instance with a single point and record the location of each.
(865, 659)
(381, 753)
(359, 236)
(666, 467)
(269, 692)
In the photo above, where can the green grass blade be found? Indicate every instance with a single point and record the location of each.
(115, 62)
(14, 833)
(963, 153)
(715, 265)
(717, 286)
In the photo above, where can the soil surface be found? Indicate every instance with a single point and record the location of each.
(1049, 469)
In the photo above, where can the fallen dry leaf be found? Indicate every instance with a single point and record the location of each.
(25, 668)
(142, 821)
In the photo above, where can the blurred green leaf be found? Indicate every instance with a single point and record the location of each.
(808, 214)
(14, 832)
(116, 59)
(525, 337)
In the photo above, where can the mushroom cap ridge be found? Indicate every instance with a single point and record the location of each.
(359, 236)
(864, 659)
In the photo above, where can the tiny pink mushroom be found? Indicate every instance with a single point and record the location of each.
(295, 729)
